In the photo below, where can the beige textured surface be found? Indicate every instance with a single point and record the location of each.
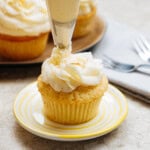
(134, 133)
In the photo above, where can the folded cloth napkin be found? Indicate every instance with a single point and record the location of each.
(118, 44)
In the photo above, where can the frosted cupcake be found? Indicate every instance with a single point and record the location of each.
(24, 28)
(71, 86)
(85, 20)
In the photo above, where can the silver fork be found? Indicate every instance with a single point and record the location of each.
(142, 48)
(123, 67)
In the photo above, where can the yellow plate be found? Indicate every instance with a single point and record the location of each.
(28, 112)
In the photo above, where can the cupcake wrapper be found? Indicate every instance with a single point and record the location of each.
(73, 113)
(23, 50)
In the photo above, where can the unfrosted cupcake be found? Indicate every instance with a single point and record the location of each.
(85, 20)
(24, 28)
(71, 86)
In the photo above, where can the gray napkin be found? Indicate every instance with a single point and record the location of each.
(117, 43)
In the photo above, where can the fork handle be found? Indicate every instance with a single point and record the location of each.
(144, 68)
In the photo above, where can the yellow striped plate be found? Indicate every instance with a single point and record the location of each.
(28, 112)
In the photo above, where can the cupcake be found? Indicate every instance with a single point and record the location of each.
(71, 86)
(85, 20)
(24, 29)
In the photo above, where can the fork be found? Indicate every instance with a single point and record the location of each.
(123, 67)
(142, 48)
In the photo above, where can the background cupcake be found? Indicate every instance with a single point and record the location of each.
(85, 20)
(24, 28)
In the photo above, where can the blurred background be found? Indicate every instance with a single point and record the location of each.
(135, 13)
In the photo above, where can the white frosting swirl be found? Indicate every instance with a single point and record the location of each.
(72, 71)
(23, 17)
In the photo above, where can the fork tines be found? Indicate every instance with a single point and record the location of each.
(109, 62)
(142, 48)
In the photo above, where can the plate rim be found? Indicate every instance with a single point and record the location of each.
(67, 137)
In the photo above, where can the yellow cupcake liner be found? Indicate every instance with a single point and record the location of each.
(23, 50)
(71, 112)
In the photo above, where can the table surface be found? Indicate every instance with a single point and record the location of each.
(134, 133)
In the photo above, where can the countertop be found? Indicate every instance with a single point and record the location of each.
(134, 133)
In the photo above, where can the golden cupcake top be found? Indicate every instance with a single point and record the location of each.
(23, 17)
